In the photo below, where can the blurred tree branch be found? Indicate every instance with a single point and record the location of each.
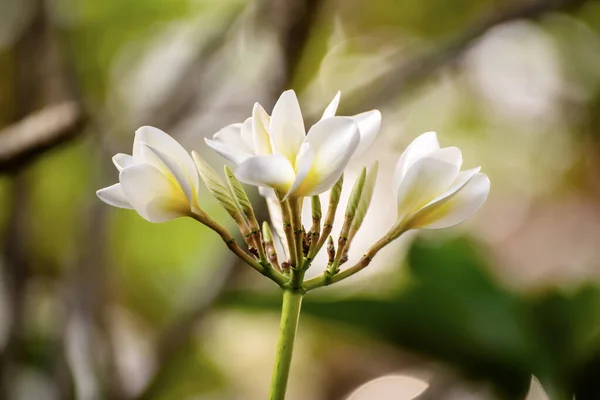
(25, 140)
(397, 80)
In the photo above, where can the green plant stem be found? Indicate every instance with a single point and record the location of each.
(327, 278)
(290, 313)
(265, 269)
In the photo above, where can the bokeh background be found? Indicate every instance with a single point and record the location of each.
(97, 303)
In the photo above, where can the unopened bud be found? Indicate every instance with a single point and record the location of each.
(330, 249)
(365, 200)
(216, 188)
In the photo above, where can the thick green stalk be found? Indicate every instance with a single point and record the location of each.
(290, 313)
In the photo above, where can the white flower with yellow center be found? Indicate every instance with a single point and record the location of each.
(431, 190)
(276, 152)
(159, 180)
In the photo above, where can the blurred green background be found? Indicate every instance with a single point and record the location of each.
(97, 303)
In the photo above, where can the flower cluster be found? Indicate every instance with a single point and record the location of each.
(160, 180)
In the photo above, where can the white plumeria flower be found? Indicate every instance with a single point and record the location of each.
(275, 152)
(431, 190)
(159, 180)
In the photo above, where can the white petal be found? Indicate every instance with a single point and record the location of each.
(266, 192)
(420, 147)
(274, 171)
(333, 141)
(274, 208)
(114, 196)
(160, 140)
(230, 135)
(229, 152)
(174, 171)
(451, 155)
(302, 167)
(460, 206)
(287, 126)
(461, 180)
(247, 135)
(260, 124)
(152, 195)
(122, 161)
(368, 126)
(426, 179)
(331, 109)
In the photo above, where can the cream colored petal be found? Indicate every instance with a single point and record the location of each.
(333, 141)
(266, 192)
(274, 171)
(274, 208)
(420, 147)
(426, 179)
(391, 387)
(174, 171)
(152, 195)
(458, 207)
(302, 167)
(247, 135)
(114, 196)
(368, 126)
(287, 126)
(461, 180)
(260, 126)
(122, 161)
(229, 152)
(451, 155)
(166, 144)
(231, 135)
(331, 109)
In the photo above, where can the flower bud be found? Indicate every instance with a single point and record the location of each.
(270, 246)
(216, 188)
(365, 201)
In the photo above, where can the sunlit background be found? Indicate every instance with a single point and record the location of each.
(97, 303)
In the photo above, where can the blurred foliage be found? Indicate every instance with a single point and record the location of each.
(452, 310)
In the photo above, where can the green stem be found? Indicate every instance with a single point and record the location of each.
(290, 313)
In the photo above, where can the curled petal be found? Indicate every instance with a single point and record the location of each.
(114, 196)
(331, 109)
(302, 167)
(174, 171)
(122, 161)
(247, 135)
(231, 135)
(232, 153)
(274, 171)
(287, 126)
(451, 155)
(160, 140)
(420, 147)
(333, 141)
(153, 195)
(424, 181)
(260, 123)
(368, 126)
(457, 207)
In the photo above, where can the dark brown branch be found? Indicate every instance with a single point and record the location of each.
(38, 132)
(395, 82)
